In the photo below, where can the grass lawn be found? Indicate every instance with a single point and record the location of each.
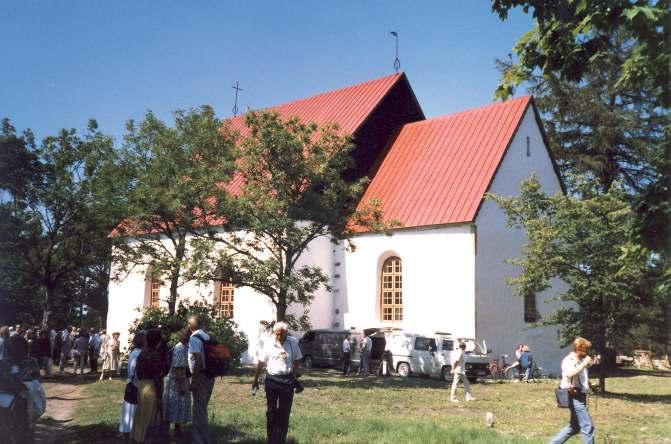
(333, 409)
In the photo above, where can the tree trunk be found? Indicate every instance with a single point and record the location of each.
(180, 252)
(49, 291)
(281, 306)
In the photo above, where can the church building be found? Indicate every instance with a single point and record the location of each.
(444, 268)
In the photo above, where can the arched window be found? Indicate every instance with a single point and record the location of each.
(223, 299)
(392, 290)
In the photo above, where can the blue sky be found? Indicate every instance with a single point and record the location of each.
(67, 61)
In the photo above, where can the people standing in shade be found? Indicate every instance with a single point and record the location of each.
(150, 369)
(281, 356)
(66, 347)
(128, 409)
(459, 373)
(41, 351)
(80, 350)
(111, 356)
(94, 350)
(201, 384)
(574, 377)
(177, 398)
(346, 355)
(4, 336)
(366, 347)
(526, 363)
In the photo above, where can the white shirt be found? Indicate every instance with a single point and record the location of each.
(580, 381)
(196, 346)
(366, 345)
(458, 361)
(279, 359)
(346, 346)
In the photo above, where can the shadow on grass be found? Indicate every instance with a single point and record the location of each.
(637, 397)
(631, 371)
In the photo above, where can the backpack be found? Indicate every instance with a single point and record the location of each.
(217, 357)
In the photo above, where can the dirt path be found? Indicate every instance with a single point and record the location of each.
(63, 392)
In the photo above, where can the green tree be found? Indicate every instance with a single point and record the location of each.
(292, 193)
(55, 221)
(586, 241)
(172, 174)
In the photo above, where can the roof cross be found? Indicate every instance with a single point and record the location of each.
(237, 89)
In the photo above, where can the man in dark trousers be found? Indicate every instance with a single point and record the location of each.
(346, 355)
(201, 383)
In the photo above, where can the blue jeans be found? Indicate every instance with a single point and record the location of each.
(527, 373)
(580, 422)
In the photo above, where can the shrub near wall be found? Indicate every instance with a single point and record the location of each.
(222, 330)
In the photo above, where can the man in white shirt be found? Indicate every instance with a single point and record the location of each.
(346, 355)
(201, 383)
(281, 356)
(574, 376)
(459, 372)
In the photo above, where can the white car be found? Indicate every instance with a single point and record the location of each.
(432, 354)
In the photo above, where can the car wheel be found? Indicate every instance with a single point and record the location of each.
(445, 374)
(472, 379)
(403, 369)
(307, 362)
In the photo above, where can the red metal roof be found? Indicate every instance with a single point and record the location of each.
(348, 107)
(437, 171)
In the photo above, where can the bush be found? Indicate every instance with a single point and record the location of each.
(222, 330)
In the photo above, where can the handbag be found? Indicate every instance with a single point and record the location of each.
(130, 394)
(564, 395)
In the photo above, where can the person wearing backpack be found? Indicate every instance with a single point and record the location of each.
(526, 362)
(201, 383)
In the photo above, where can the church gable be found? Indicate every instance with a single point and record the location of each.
(437, 171)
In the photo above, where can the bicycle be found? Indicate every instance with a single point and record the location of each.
(498, 368)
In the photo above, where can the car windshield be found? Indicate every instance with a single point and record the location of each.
(472, 346)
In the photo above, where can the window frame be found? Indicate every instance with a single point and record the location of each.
(391, 296)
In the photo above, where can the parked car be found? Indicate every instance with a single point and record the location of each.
(432, 354)
(322, 347)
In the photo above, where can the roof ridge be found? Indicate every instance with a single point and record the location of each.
(486, 107)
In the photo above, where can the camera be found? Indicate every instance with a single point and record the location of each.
(298, 387)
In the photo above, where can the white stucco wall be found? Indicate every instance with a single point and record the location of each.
(438, 279)
(499, 312)
(126, 297)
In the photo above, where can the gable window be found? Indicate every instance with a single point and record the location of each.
(224, 293)
(530, 312)
(392, 290)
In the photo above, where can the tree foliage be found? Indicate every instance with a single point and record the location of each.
(172, 174)
(222, 330)
(292, 193)
(587, 242)
(54, 217)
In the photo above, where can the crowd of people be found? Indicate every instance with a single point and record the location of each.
(172, 386)
(80, 348)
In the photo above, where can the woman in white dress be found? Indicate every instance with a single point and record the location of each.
(128, 410)
(111, 356)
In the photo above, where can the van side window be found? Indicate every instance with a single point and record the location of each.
(432, 345)
(448, 345)
(422, 343)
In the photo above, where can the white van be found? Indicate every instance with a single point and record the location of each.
(432, 354)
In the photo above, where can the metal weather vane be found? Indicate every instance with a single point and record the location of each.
(397, 62)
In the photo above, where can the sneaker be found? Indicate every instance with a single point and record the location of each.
(454, 400)
(470, 398)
